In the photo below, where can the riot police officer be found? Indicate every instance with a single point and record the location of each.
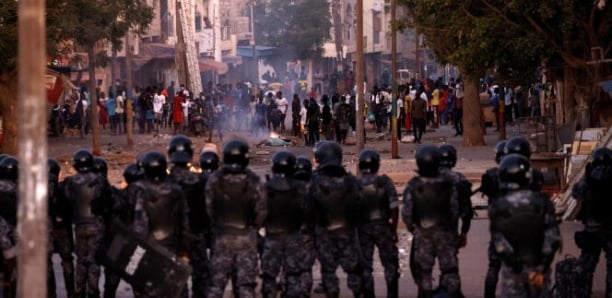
(160, 208)
(303, 169)
(591, 193)
(100, 166)
(209, 162)
(490, 187)
(60, 232)
(520, 145)
(88, 194)
(236, 206)
(123, 211)
(378, 227)
(288, 213)
(336, 194)
(448, 160)
(180, 153)
(431, 213)
(8, 221)
(524, 229)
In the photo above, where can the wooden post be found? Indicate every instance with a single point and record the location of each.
(394, 112)
(129, 104)
(180, 60)
(93, 118)
(32, 213)
(359, 78)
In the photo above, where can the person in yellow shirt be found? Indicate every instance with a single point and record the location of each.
(435, 102)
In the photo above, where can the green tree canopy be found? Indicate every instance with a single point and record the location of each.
(298, 29)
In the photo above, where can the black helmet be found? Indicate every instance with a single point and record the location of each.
(499, 151)
(236, 154)
(303, 168)
(83, 161)
(3, 155)
(369, 161)
(100, 166)
(428, 160)
(448, 156)
(601, 157)
(518, 145)
(180, 149)
(9, 168)
(283, 163)
(209, 161)
(53, 167)
(328, 153)
(155, 166)
(514, 172)
(132, 173)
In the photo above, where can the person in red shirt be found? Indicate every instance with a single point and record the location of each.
(177, 111)
(443, 106)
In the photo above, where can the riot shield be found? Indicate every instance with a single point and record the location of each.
(148, 267)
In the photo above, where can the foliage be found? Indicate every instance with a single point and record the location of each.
(297, 28)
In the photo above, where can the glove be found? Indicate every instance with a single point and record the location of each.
(462, 240)
(536, 280)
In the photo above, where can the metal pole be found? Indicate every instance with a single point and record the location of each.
(359, 77)
(394, 125)
(32, 213)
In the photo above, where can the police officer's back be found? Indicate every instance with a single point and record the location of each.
(431, 211)
(524, 230)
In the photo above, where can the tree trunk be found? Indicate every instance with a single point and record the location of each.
(569, 100)
(473, 132)
(95, 126)
(128, 97)
(8, 112)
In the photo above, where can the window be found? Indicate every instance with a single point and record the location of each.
(198, 22)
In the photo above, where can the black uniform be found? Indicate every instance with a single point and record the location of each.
(378, 228)
(594, 201)
(87, 191)
(284, 244)
(8, 211)
(525, 233)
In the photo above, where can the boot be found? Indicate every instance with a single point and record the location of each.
(392, 289)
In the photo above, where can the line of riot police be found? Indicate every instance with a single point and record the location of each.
(213, 220)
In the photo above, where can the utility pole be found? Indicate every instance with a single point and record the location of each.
(181, 48)
(129, 104)
(394, 125)
(32, 213)
(359, 77)
(254, 49)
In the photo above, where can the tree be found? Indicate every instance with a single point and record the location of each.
(99, 22)
(297, 29)
(472, 36)
(87, 22)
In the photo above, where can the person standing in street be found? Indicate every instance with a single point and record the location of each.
(289, 218)
(594, 205)
(89, 196)
(180, 153)
(525, 231)
(431, 213)
(457, 107)
(283, 105)
(418, 112)
(237, 207)
(336, 196)
(378, 226)
(177, 112)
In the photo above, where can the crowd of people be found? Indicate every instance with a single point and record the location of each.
(229, 224)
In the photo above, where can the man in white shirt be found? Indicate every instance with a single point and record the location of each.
(158, 104)
(120, 111)
(282, 104)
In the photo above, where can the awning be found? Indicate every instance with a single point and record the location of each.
(212, 65)
(235, 60)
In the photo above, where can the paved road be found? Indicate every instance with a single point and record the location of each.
(472, 258)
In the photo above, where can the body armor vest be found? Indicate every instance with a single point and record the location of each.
(233, 201)
(519, 217)
(83, 191)
(334, 202)
(432, 204)
(284, 206)
(193, 188)
(8, 201)
(376, 205)
(164, 210)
